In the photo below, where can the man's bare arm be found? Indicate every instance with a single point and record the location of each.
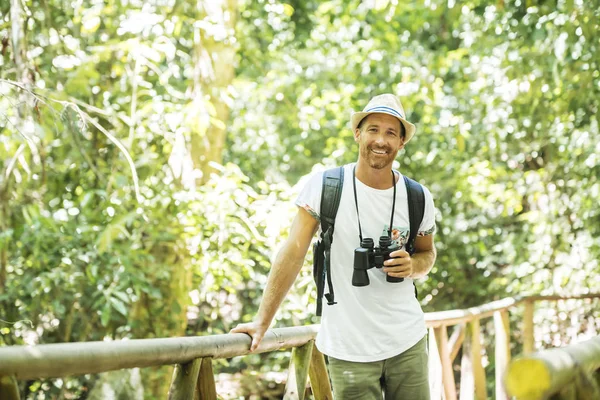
(284, 271)
(287, 265)
(424, 256)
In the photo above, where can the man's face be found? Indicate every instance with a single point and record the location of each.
(379, 139)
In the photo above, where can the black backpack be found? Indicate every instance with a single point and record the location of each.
(331, 193)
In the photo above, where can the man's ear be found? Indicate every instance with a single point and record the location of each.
(356, 134)
(402, 137)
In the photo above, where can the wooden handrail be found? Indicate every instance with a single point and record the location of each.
(454, 317)
(63, 359)
(542, 374)
(559, 297)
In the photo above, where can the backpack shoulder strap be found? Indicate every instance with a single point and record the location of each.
(331, 193)
(416, 209)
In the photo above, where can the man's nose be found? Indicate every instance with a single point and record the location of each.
(379, 139)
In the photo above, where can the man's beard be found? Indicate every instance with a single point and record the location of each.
(378, 162)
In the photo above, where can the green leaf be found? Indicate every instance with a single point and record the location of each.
(112, 230)
(118, 305)
(105, 317)
(123, 296)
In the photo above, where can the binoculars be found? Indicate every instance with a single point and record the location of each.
(368, 256)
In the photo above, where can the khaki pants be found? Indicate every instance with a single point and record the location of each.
(403, 377)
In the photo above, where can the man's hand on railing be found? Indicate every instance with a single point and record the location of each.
(255, 329)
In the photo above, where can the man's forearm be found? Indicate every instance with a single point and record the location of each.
(422, 263)
(284, 271)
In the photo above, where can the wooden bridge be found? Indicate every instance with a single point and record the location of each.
(571, 372)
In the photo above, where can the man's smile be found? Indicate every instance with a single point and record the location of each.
(379, 151)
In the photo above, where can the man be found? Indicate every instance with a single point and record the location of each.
(374, 336)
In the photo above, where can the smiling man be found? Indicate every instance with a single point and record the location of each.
(374, 334)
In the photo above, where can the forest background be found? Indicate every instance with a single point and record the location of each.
(150, 152)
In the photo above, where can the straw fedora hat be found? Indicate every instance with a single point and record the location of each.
(385, 104)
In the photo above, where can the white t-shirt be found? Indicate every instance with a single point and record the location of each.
(383, 319)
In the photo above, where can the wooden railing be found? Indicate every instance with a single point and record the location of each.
(467, 335)
(193, 377)
(193, 356)
(572, 371)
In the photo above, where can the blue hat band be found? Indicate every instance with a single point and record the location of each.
(386, 110)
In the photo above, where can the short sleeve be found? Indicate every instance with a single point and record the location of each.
(309, 197)
(427, 226)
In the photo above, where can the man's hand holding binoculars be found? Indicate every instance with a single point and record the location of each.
(400, 265)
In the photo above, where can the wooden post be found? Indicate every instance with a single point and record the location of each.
(206, 388)
(456, 340)
(319, 378)
(528, 337)
(569, 392)
(8, 388)
(502, 330)
(183, 384)
(478, 371)
(295, 387)
(441, 336)
(588, 384)
(435, 368)
(467, 383)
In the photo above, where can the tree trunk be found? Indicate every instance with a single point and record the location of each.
(163, 317)
(17, 37)
(214, 59)
(3, 249)
(19, 57)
